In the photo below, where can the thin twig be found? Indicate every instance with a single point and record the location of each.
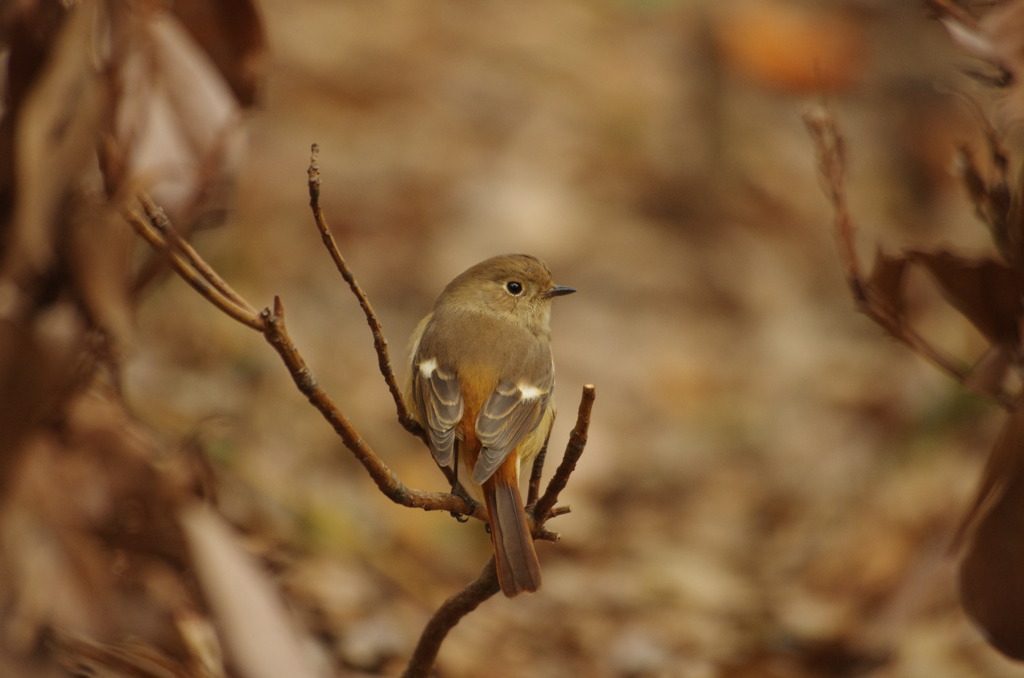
(830, 149)
(208, 186)
(573, 450)
(187, 272)
(447, 616)
(277, 336)
(380, 344)
(158, 218)
(187, 263)
(533, 488)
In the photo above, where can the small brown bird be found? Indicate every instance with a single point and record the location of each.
(480, 384)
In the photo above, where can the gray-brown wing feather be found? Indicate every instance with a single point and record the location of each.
(506, 418)
(439, 401)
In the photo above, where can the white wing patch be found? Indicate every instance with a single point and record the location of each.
(427, 367)
(528, 391)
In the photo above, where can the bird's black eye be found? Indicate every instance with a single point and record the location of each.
(514, 287)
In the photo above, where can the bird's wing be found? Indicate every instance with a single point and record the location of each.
(439, 401)
(508, 415)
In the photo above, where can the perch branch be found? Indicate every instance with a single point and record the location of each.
(379, 342)
(157, 237)
(447, 616)
(486, 585)
(277, 336)
(533, 488)
(158, 218)
(573, 450)
(157, 230)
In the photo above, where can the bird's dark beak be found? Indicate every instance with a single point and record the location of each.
(559, 291)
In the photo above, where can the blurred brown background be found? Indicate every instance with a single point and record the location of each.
(771, 485)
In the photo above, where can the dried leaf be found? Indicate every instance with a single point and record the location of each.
(1014, 222)
(992, 200)
(82, 655)
(247, 610)
(886, 281)
(970, 39)
(27, 34)
(231, 32)
(992, 571)
(57, 127)
(1003, 30)
(999, 467)
(997, 38)
(977, 187)
(988, 375)
(985, 291)
(39, 357)
(88, 539)
(178, 126)
(99, 250)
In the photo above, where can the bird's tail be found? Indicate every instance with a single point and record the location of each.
(514, 555)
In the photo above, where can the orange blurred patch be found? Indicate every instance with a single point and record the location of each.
(791, 47)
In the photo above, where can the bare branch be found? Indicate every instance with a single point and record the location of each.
(447, 616)
(191, 267)
(158, 218)
(533, 488)
(830, 149)
(380, 344)
(573, 450)
(184, 267)
(277, 336)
